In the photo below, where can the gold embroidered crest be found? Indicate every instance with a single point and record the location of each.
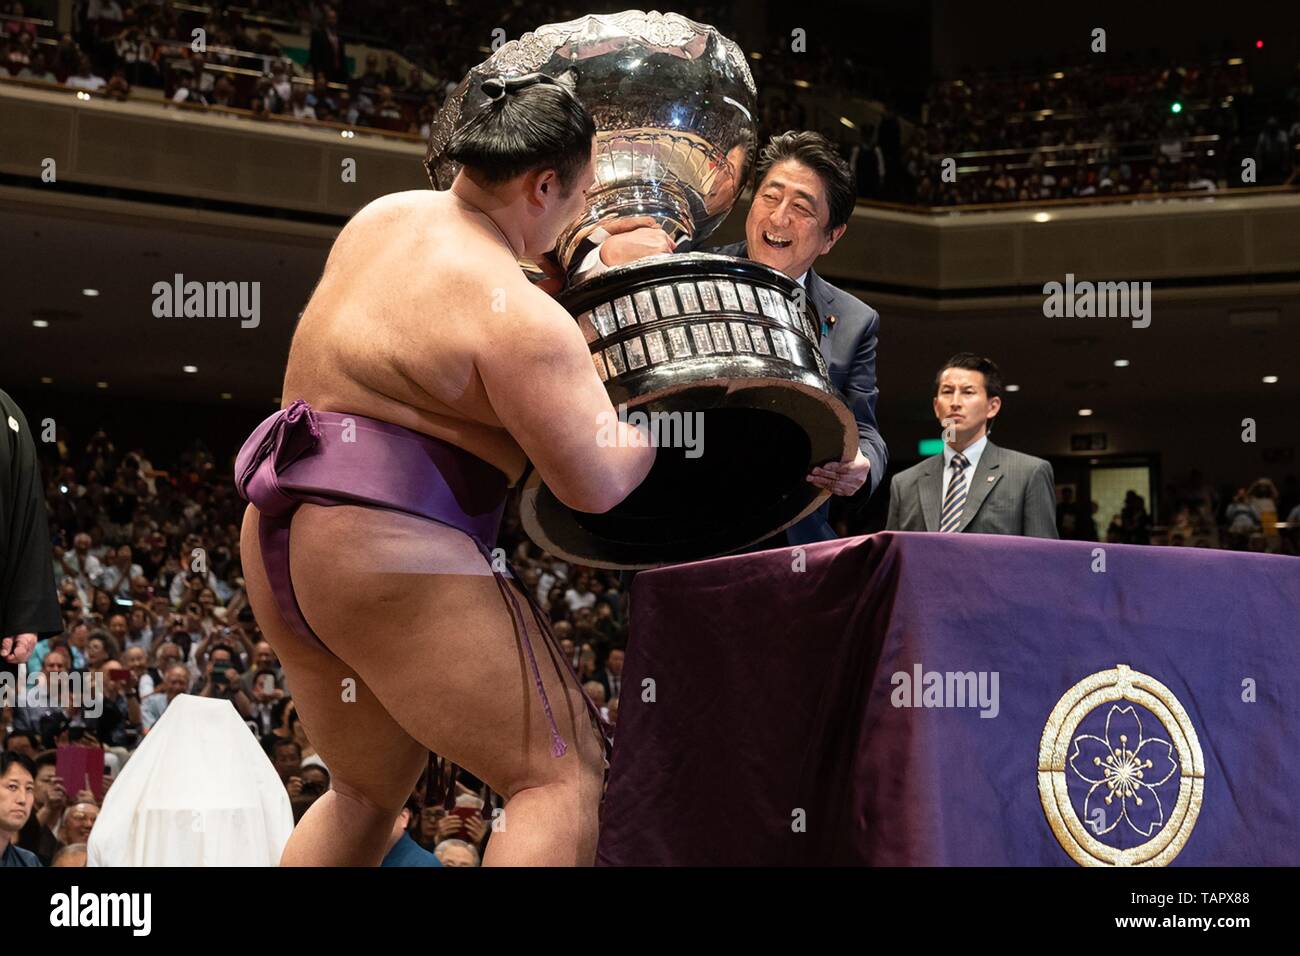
(1134, 780)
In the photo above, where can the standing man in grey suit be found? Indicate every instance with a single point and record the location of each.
(974, 485)
(801, 208)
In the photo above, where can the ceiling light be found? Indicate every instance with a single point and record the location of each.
(1013, 388)
(1085, 412)
(1121, 363)
(40, 323)
(1270, 379)
(91, 292)
(189, 369)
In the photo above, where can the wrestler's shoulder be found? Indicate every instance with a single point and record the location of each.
(401, 200)
(386, 208)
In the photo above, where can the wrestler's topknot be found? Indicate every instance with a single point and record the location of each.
(529, 122)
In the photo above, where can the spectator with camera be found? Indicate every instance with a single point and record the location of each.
(221, 679)
(118, 723)
(286, 757)
(39, 719)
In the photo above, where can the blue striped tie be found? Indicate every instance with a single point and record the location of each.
(955, 500)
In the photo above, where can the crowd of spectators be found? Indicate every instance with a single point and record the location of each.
(1255, 517)
(146, 567)
(117, 47)
(1088, 131)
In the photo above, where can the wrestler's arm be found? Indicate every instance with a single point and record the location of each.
(542, 384)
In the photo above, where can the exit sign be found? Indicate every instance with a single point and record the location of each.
(1089, 441)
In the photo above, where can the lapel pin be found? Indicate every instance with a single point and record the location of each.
(993, 478)
(828, 324)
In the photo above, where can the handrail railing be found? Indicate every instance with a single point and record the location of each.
(1076, 147)
(295, 121)
(35, 21)
(1288, 189)
(5, 79)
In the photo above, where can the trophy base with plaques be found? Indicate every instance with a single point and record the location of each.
(725, 368)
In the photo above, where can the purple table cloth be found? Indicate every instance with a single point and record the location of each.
(1129, 705)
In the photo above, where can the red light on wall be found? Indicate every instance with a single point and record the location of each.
(1259, 44)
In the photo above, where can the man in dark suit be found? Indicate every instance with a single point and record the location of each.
(801, 208)
(973, 485)
(611, 675)
(29, 605)
(328, 51)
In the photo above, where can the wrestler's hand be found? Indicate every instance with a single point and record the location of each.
(17, 649)
(633, 238)
(842, 477)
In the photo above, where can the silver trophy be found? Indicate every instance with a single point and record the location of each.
(727, 341)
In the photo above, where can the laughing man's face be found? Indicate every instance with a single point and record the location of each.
(786, 228)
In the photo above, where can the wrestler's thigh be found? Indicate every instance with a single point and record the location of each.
(412, 605)
(360, 742)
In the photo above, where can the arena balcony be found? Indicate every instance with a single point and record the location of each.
(228, 160)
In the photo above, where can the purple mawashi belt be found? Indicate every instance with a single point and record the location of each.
(299, 455)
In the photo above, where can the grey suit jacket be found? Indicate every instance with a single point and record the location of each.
(849, 347)
(1010, 493)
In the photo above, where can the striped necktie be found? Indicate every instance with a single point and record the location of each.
(955, 500)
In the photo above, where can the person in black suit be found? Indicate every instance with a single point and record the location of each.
(800, 209)
(611, 675)
(328, 51)
(29, 604)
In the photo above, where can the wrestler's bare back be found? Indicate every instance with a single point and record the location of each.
(419, 292)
